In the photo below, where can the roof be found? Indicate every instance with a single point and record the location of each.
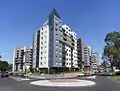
(54, 12)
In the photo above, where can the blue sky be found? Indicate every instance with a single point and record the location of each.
(90, 19)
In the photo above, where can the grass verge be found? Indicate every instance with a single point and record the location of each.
(116, 78)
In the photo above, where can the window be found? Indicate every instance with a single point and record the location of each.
(45, 46)
(41, 47)
(56, 50)
(56, 45)
(42, 28)
(45, 51)
(69, 59)
(44, 62)
(56, 40)
(41, 57)
(41, 32)
(45, 31)
(56, 24)
(41, 37)
(41, 42)
(45, 57)
(67, 63)
(69, 54)
(56, 34)
(56, 19)
(69, 50)
(66, 27)
(41, 52)
(56, 29)
(41, 63)
(45, 41)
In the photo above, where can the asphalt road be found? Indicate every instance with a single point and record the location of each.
(102, 84)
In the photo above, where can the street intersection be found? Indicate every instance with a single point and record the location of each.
(102, 84)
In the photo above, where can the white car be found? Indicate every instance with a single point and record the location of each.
(81, 74)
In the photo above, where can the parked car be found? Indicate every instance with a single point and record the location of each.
(80, 75)
(24, 75)
(4, 74)
(87, 74)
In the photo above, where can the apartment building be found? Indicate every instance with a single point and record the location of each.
(22, 58)
(56, 46)
(86, 55)
(95, 60)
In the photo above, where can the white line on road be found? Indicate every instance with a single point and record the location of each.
(19, 79)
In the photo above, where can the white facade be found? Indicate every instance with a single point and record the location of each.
(22, 58)
(95, 60)
(87, 55)
(44, 47)
(55, 45)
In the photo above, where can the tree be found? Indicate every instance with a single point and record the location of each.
(10, 67)
(3, 65)
(112, 48)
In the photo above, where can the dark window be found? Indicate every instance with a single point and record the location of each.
(41, 52)
(56, 29)
(56, 24)
(41, 63)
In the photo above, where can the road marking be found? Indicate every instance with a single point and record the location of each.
(91, 77)
(19, 79)
(77, 83)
